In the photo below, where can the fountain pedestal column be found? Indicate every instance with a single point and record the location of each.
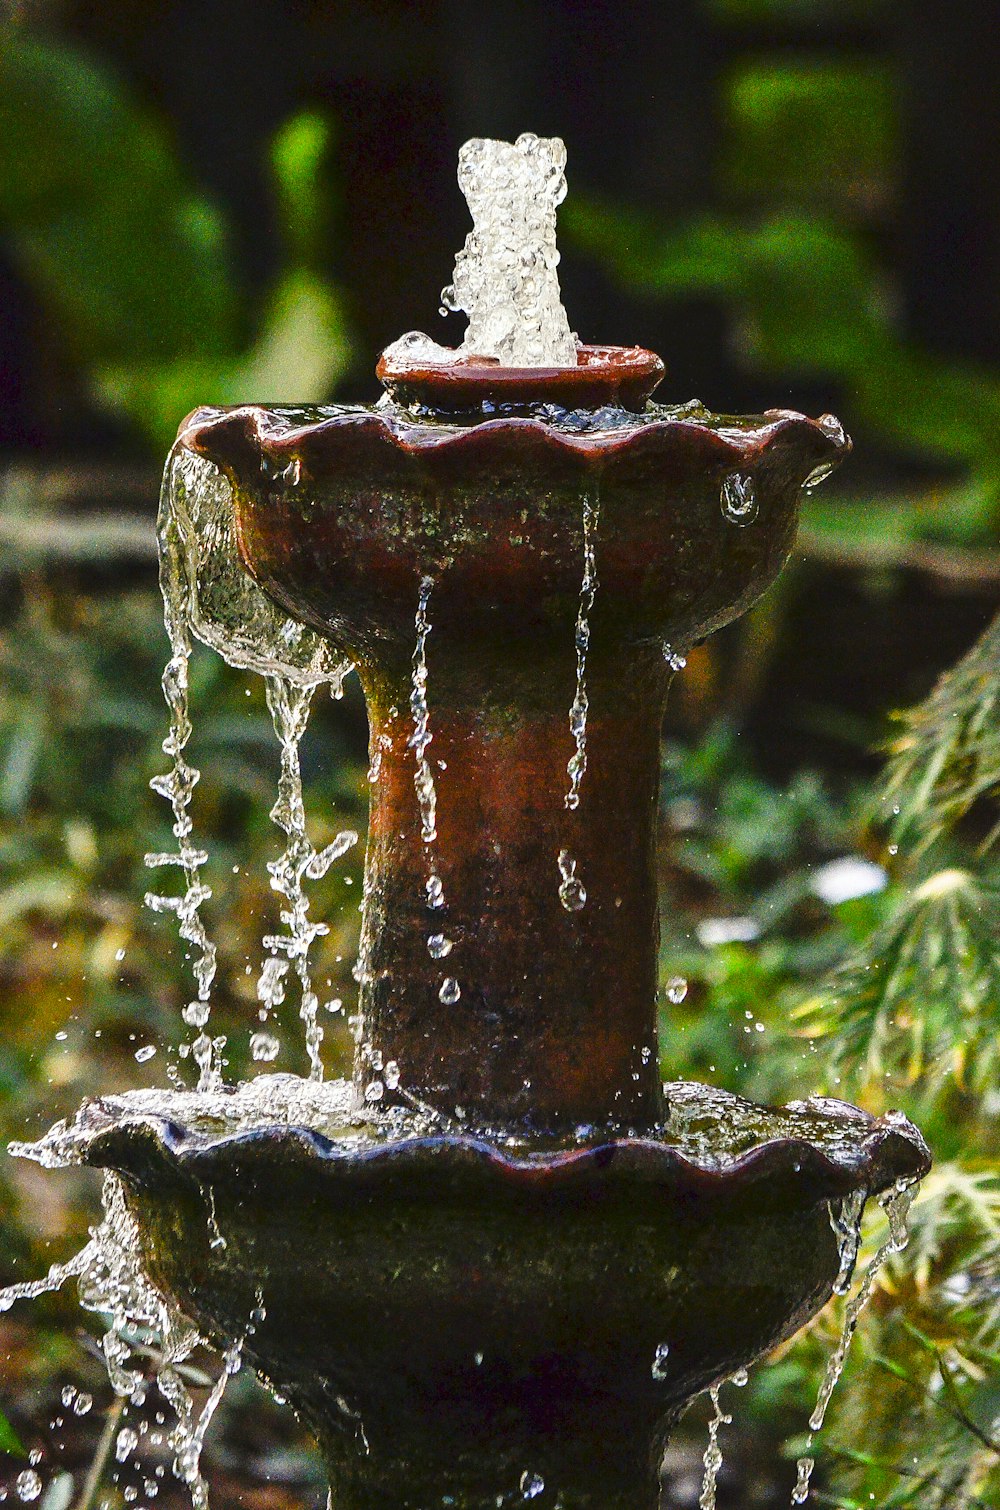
(543, 1009)
(490, 572)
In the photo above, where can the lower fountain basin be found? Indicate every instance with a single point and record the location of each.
(465, 1319)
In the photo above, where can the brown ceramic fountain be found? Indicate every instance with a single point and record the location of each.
(499, 1267)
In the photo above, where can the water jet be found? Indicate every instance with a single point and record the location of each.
(499, 1262)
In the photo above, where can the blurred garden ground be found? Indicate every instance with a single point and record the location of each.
(797, 202)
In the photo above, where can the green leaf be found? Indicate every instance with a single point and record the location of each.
(9, 1439)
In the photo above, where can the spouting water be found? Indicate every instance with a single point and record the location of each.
(506, 276)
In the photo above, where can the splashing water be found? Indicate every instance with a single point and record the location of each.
(896, 1205)
(289, 706)
(111, 1282)
(207, 593)
(713, 1452)
(580, 706)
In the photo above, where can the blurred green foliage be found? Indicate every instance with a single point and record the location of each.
(134, 263)
(840, 119)
(808, 174)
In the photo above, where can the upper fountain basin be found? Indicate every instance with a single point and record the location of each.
(342, 512)
(473, 385)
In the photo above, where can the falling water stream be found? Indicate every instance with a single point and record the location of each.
(580, 705)
(572, 891)
(896, 1204)
(289, 705)
(438, 945)
(177, 786)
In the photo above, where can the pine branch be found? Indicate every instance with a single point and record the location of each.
(920, 1000)
(947, 757)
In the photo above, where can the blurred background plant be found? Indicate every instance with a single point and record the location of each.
(831, 896)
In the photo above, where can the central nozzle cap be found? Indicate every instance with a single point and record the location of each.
(415, 378)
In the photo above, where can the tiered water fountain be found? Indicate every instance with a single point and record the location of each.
(499, 1263)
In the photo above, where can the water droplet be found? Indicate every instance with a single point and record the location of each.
(68, 1394)
(818, 474)
(804, 1468)
(144, 1055)
(438, 946)
(264, 1047)
(532, 1485)
(435, 891)
(738, 498)
(391, 1075)
(82, 1404)
(661, 1366)
(572, 892)
(741, 1378)
(673, 657)
(126, 1443)
(450, 991)
(677, 989)
(374, 1091)
(28, 1485)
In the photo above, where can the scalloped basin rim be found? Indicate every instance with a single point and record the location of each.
(885, 1154)
(729, 441)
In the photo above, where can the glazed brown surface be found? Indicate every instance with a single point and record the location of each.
(625, 375)
(345, 518)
